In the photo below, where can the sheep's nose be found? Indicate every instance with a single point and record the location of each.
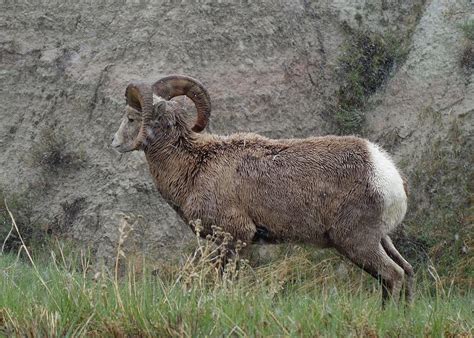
(115, 141)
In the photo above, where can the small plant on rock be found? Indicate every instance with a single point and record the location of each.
(467, 55)
(365, 64)
(51, 152)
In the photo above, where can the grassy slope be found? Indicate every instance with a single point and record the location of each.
(300, 295)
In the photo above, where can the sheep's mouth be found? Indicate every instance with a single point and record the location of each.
(116, 146)
(121, 148)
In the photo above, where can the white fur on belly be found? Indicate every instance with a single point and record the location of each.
(388, 182)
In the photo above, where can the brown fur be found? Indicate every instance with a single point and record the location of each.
(316, 190)
(313, 190)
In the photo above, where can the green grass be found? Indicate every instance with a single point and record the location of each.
(301, 294)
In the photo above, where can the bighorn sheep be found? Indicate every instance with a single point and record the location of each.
(339, 192)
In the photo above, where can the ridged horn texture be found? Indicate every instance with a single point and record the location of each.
(139, 96)
(176, 85)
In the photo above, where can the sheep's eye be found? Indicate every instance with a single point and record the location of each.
(130, 119)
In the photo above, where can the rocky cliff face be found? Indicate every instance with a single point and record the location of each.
(271, 67)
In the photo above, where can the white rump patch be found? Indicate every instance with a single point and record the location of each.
(388, 182)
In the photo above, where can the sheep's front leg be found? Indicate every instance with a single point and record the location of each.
(240, 227)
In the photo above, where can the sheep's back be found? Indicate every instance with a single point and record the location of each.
(300, 189)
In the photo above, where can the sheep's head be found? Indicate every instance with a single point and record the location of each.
(146, 114)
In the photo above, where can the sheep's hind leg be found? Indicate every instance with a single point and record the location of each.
(387, 244)
(374, 260)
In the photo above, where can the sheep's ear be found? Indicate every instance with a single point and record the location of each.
(159, 109)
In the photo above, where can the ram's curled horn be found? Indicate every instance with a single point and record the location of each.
(176, 85)
(139, 96)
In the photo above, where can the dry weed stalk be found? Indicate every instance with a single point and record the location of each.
(216, 260)
(127, 224)
(7, 237)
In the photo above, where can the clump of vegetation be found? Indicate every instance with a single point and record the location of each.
(468, 29)
(36, 235)
(21, 204)
(70, 212)
(365, 64)
(51, 153)
(444, 215)
(349, 121)
(467, 56)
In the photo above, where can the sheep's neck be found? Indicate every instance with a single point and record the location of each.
(172, 170)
